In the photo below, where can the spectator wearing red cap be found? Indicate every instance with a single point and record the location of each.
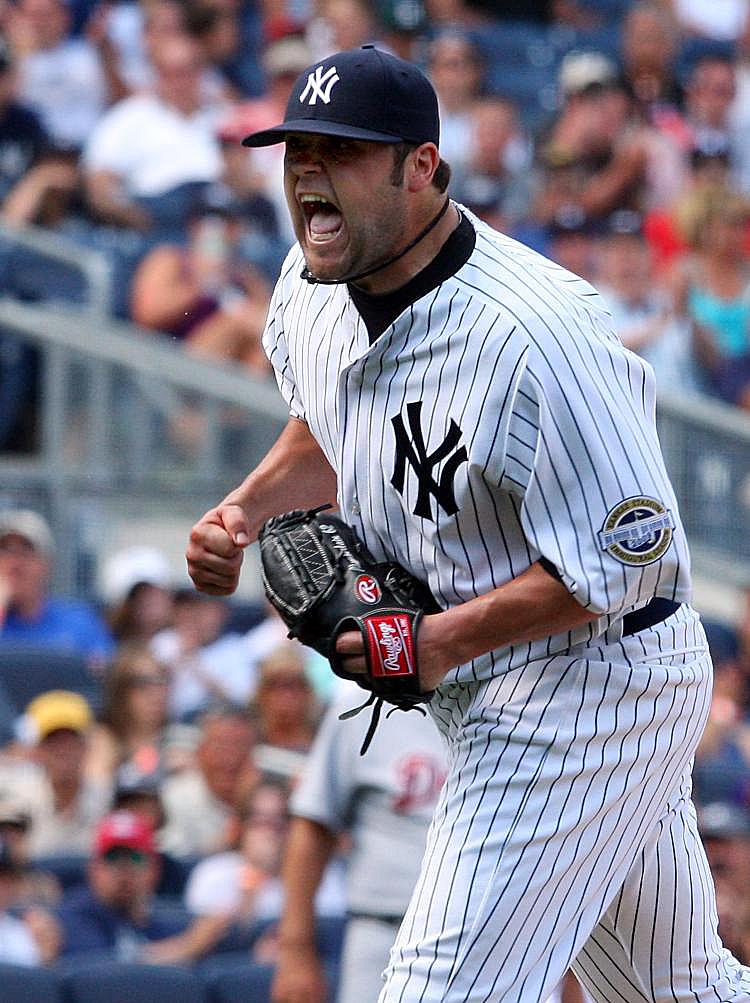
(114, 913)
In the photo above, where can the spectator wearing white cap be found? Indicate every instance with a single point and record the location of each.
(136, 585)
(28, 613)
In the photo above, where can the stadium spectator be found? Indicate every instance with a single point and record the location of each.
(664, 228)
(59, 76)
(712, 291)
(133, 723)
(201, 803)
(598, 156)
(28, 614)
(495, 177)
(30, 174)
(205, 294)
(236, 892)
(36, 885)
(151, 155)
(284, 707)
(456, 69)
(31, 939)
(137, 790)
(641, 309)
(114, 914)
(64, 803)
(204, 666)
(650, 44)
(717, 22)
(136, 586)
(725, 831)
(722, 759)
(283, 59)
(339, 25)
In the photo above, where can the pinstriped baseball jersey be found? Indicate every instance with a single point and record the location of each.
(497, 421)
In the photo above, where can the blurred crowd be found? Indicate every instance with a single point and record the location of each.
(151, 744)
(612, 136)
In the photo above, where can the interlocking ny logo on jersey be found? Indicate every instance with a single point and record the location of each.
(319, 85)
(414, 452)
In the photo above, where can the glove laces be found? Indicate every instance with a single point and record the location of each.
(376, 703)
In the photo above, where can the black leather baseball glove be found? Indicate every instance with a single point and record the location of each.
(322, 580)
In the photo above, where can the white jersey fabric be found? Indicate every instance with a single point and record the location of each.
(531, 423)
(499, 421)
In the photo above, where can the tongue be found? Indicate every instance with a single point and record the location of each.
(325, 222)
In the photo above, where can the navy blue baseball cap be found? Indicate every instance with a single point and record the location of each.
(359, 94)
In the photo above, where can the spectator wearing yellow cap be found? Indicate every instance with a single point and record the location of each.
(64, 804)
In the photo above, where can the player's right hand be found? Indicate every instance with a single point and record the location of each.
(216, 548)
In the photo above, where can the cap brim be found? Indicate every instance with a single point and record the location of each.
(320, 127)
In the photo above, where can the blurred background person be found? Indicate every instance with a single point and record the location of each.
(114, 915)
(136, 587)
(711, 288)
(456, 69)
(642, 310)
(150, 156)
(285, 709)
(28, 613)
(65, 804)
(31, 938)
(201, 803)
(59, 76)
(37, 885)
(205, 664)
(238, 893)
(205, 294)
(133, 722)
(725, 831)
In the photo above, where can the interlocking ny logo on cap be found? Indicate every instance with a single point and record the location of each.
(319, 85)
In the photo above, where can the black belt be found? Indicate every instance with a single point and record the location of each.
(649, 615)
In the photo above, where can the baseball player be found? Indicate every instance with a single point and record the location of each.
(467, 406)
(384, 801)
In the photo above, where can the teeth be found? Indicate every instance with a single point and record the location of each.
(313, 198)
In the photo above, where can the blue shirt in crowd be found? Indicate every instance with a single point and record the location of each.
(65, 624)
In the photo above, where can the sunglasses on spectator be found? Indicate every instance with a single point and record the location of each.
(125, 855)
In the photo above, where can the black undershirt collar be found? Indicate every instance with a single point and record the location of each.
(380, 310)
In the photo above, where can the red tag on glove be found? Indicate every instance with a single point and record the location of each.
(390, 645)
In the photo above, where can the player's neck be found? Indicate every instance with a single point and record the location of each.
(402, 271)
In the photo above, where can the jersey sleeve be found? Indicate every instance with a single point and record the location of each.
(583, 459)
(274, 339)
(324, 793)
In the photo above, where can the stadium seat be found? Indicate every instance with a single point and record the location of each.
(68, 868)
(240, 983)
(19, 984)
(119, 982)
(28, 670)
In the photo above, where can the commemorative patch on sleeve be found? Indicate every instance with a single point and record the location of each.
(637, 531)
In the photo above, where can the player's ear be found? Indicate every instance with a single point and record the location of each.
(420, 167)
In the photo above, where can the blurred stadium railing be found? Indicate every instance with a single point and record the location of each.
(707, 447)
(134, 436)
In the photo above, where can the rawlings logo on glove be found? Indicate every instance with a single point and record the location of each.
(322, 580)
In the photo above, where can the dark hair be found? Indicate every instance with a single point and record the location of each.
(401, 151)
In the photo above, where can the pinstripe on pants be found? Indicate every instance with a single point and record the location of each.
(565, 834)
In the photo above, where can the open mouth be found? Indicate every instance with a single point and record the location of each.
(324, 221)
